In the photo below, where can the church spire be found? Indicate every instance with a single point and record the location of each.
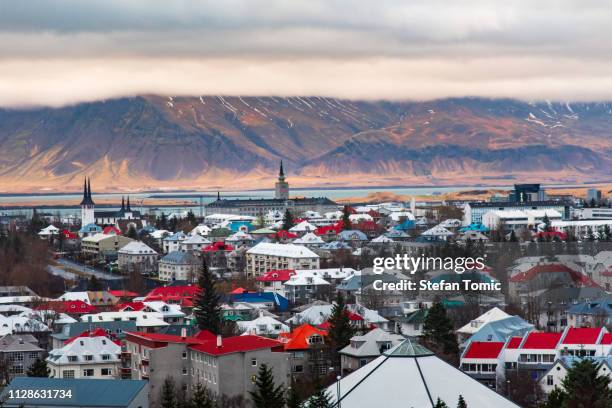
(281, 173)
(87, 200)
(218, 196)
(122, 203)
(129, 209)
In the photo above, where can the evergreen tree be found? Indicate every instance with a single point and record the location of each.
(340, 329)
(438, 330)
(38, 369)
(132, 233)
(94, 284)
(440, 404)
(346, 218)
(267, 394)
(293, 398)
(288, 221)
(320, 398)
(546, 222)
(555, 399)
(168, 394)
(192, 219)
(207, 307)
(162, 222)
(461, 403)
(585, 388)
(202, 398)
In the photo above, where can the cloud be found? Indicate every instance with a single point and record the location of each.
(68, 51)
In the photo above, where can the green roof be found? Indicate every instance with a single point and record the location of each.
(408, 348)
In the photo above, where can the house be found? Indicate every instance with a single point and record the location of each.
(102, 245)
(309, 240)
(115, 330)
(225, 366)
(266, 326)
(138, 257)
(411, 375)
(475, 324)
(195, 242)
(69, 307)
(265, 257)
(364, 349)
(177, 265)
(308, 354)
(145, 321)
(501, 330)
(240, 238)
(304, 288)
(179, 295)
(302, 228)
(48, 232)
(173, 242)
(100, 298)
(536, 352)
(596, 312)
(19, 352)
(483, 361)
(437, 233)
(86, 357)
(352, 236)
(274, 280)
(171, 313)
(89, 230)
(269, 300)
(554, 377)
(83, 393)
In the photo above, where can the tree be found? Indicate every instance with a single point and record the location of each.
(584, 387)
(346, 218)
(132, 233)
(440, 404)
(555, 399)
(267, 394)
(461, 403)
(202, 398)
(293, 398)
(320, 398)
(168, 394)
(207, 308)
(38, 369)
(288, 221)
(340, 329)
(438, 330)
(94, 284)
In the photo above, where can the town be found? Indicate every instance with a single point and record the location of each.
(278, 302)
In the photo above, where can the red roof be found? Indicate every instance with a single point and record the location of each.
(284, 234)
(552, 234)
(576, 276)
(122, 293)
(326, 229)
(542, 341)
(69, 235)
(164, 338)
(135, 306)
(514, 342)
(582, 335)
(67, 306)
(484, 349)
(182, 295)
(94, 333)
(367, 226)
(111, 230)
(238, 291)
(205, 335)
(606, 338)
(218, 246)
(237, 344)
(298, 338)
(277, 275)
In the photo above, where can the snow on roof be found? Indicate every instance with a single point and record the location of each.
(370, 344)
(137, 248)
(303, 279)
(303, 226)
(282, 250)
(437, 231)
(309, 238)
(489, 316)
(99, 237)
(92, 346)
(195, 239)
(158, 234)
(69, 296)
(381, 239)
(16, 324)
(263, 325)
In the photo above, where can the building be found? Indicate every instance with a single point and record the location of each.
(173, 242)
(137, 256)
(411, 375)
(149, 322)
(265, 257)
(304, 288)
(594, 195)
(19, 352)
(526, 193)
(476, 324)
(101, 245)
(177, 265)
(555, 376)
(281, 188)
(90, 216)
(309, 355)
(473, 212)
(83, 393)
(87, 205)
(483, 361)
(115, 330)
(274, 280)
(364, 349)
(225, 366)
(86, 357)
(266, 326)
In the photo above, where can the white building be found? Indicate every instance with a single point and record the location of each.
(195, 242)
(177, 265)
(265, 257)
(173, 242)
(263, 326)
(137, 256)
(86, 357)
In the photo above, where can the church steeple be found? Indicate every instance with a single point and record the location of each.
(218, 196)
(128, 209)
(122, 203)
(281, 173)
(281, 188)
(87, 200)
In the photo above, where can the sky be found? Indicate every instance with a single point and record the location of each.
(59, 52)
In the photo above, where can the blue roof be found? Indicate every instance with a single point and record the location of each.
(404, 226)
(474, 227)
(177, 236)
(281, 302)
(352, 235)
(85, 392)
(502, 330)
(601, 306)
(569, 361)
(177, 257)
(336, 245)
(235, 225)
(91, 227)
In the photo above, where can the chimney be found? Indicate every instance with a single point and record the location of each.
(183, 333)
(219, 341)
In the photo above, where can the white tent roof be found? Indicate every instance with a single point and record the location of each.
(310, 239)
(438, 231)
(409, 375)
(489, 316)
(303, 226)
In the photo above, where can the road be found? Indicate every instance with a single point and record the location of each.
(86, 270)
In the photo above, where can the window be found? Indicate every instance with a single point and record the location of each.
(89, 372)
(88, 357)
(298, 369)
(72, 359)
(106, 357)
(184, 355)
(363, 362)
(33, 354)
(549, 380)
(68, 374)
(106, 371)
(184, 371)
(254, 362)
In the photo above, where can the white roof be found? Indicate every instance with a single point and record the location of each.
(18, 299)
(196, 239)
(359, 217)
(51, 315)
(328, 273)
(397, 215)
(318, 314)
(17, 324)
(507, 214)
(541, 213)
(489, 316)
(369, 345)
(51, 229)
(438, 231)
(13, 308)
(82, 346)
(83, 296)
(262, 325)
(137, 248)
(450, 223)
(201, 229)
(240, 236)
(303, 279)
(282, 250)
(412, 376)
(142, 319)
(381, 239)
(303, 226)
(309, 238)
(159, 234)
(165, 309)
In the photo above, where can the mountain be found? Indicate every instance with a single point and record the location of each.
(231, 142)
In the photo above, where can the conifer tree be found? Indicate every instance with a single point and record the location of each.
(584, 387)
(202, 398)
(132, 233)
(38, 369)
(288, 221)
(293, 398)
(207, 307)
(440, 404)
(267, 394)
(320, 398)
(340, 329)
(438, 330)
(168, 394)
(346, 218)
(461, 403)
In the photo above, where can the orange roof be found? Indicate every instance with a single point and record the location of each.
(298, 338)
